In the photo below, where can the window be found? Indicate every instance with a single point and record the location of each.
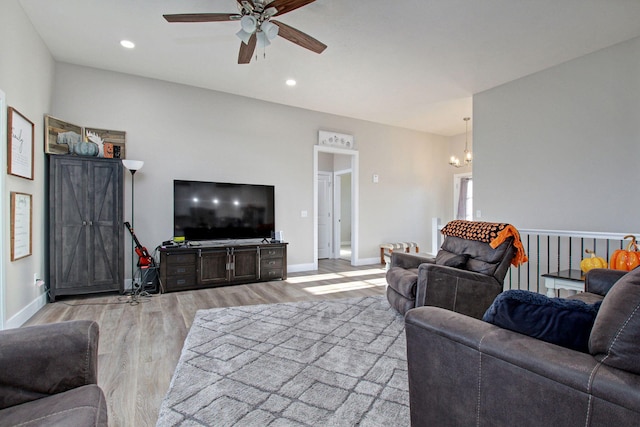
(463, 197)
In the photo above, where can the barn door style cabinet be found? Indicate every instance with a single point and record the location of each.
(86, 237)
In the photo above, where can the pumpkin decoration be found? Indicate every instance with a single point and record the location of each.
(592, 262)
(628, 259)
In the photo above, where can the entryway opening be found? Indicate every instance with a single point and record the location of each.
(335, 204)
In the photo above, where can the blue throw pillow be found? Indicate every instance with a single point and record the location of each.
(556, 320)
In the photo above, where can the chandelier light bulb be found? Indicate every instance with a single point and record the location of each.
(468, 157)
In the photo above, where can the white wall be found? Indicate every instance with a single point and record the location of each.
(189, 133)
(26, 76)
(560, 149)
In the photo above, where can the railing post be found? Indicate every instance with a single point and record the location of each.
(435, 235)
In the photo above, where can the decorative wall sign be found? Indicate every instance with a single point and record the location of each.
(333, 139)
(116, 138)
(20, 132)
(61, 137)
(20, 224)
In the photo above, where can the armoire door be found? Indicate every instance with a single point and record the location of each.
(85, 225)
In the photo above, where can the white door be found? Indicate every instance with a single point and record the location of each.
(325, 206)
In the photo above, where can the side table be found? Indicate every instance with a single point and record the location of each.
(571, 280)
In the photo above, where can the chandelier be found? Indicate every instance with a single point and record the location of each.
(468, 157)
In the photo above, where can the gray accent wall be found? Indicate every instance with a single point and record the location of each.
(560, 149)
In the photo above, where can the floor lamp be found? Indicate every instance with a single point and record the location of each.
(133, 166)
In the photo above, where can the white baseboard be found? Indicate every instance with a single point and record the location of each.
(21, 317)
(367, 261)
(298, 268)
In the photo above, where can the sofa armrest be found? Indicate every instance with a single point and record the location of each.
(38, 361)
(458, 290)
(600, 280)
(406, 261)
(463, 371)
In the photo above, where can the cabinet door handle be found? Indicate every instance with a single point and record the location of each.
(91, 223)
(84, 223)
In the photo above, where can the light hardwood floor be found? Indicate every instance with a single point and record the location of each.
(140, 344)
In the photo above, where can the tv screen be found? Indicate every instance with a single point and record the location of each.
(222, 211)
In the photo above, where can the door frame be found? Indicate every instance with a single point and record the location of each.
(354, 155)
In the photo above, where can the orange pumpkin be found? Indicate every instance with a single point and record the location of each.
(628, 259)
(592, 262)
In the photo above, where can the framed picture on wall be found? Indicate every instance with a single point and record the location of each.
(20, 132)
(20, 225)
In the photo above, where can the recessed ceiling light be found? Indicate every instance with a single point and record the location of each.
(128, 44)
(291, 82)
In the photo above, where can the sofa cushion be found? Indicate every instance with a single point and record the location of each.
(615, 338)
(483, 258)
(452, 260)
(556, 320)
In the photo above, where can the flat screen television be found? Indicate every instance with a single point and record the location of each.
(222, 211)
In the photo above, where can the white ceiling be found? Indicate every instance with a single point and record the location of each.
(408, 63)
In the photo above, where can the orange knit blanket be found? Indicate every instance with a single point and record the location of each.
(489, 232)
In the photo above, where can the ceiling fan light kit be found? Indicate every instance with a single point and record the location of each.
(257, 28)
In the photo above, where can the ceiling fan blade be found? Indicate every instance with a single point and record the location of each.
(299, 38)
(246, 50)
(202, 17)
(285, 6)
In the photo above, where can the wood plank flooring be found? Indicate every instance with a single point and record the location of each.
(140, 344)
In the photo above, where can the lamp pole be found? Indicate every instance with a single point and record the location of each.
(133, 166)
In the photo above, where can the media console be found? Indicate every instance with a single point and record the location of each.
(212, 265)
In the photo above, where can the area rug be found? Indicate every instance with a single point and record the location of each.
(317, 363)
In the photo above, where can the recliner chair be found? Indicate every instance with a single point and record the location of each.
(465, 276)
(49, 374)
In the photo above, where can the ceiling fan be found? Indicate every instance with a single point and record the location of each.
(258, 29)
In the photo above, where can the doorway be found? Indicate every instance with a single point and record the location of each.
(350, 180)
(342, 214)
(325, 215)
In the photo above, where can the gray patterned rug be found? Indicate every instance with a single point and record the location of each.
(317, 363)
